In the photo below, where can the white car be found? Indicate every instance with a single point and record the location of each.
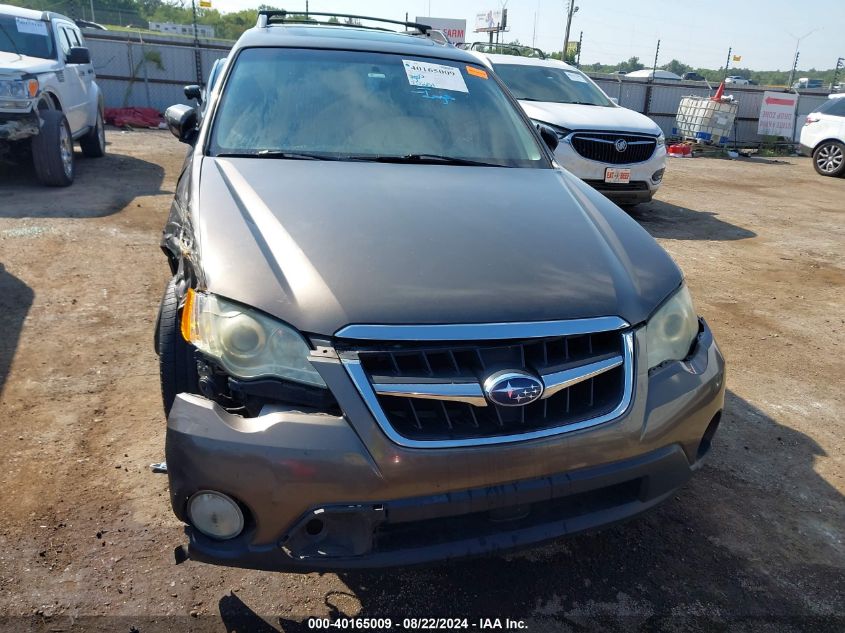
(737, 80)
(621, 153)
(48, 94)
(823, 137)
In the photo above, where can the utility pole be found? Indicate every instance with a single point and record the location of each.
(840, 63)
(795, 62)
(93, 19)
(727, 63)
(570, 11)
(580, 40)
(197, 57)
(792, 72)
(654, 67)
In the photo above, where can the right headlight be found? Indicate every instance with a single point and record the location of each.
(246, 343)
(16, 93)
(671, 331)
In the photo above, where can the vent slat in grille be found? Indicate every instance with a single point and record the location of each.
(601, 147)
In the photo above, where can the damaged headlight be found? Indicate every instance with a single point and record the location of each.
(671, 331)
(16, 93)
(245, 342)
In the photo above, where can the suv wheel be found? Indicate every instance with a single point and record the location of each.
(93, 144)
(829, 158)
(52, 150)
(177, 365)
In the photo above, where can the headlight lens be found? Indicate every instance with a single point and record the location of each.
(661, 140)
(247, 344)
(19, 88)
(671, 331)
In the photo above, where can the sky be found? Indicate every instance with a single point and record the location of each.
(698, 33)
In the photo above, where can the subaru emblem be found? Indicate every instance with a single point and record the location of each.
(512, 388)
(621, 145)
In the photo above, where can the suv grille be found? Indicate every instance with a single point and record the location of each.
(437, 417)
(602, 147)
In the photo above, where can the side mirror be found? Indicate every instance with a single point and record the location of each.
(194, 92)
(548, 135)
(78, 55)
(182, 122)
(614, 100)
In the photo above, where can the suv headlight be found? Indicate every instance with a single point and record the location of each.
(21, 90)
(671, 331)
(245, 342)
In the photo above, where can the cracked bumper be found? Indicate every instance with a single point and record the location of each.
(379, 504)
(18, 128)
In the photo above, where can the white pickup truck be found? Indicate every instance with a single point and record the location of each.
(48, 94)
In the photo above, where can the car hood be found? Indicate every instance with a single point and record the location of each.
(325, 244)
(14, 64)
(582, 117)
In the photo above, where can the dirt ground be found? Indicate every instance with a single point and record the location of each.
(754, 542)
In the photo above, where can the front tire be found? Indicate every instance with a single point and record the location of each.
(177, 365)
(829, 158)
(93, 144)
(52, 150)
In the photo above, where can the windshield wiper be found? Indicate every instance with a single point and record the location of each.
(589, 103)
(422, 159)
(269, 153)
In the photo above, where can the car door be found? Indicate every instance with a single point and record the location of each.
(71, 79)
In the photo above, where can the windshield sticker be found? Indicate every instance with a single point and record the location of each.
(426, 94)
(33, 27)
(575, 76)
(476, 72)
(427, 75)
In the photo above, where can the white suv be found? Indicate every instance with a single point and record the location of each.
(823, 137)
(617, 151)
(48, 95)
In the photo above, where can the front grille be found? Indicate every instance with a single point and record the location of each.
(602, 147)
(433, 419)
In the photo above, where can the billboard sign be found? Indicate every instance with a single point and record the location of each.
(777, 114)
(454, 30)
(488, 21)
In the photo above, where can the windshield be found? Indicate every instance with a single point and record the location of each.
(289, 103)
(26, 37)
(546, 83)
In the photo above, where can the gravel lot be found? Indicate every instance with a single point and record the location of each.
(754, 542)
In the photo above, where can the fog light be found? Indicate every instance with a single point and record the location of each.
(657, 176)
(215, 515)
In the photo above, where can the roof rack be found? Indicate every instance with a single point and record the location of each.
(518, 49)
(266, 17)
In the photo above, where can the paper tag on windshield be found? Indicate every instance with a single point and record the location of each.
(428, 75)
(34, 27)
(575, 77)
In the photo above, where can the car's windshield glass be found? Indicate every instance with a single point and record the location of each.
(546, 83)
(25, 36)
(360, 105)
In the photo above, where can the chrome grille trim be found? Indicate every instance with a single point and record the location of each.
(473, 393)
(481, 331)
(469, 392)
(365, 389)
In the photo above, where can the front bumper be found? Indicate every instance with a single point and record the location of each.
(643, 184)
(17, 127)
(379, 504)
